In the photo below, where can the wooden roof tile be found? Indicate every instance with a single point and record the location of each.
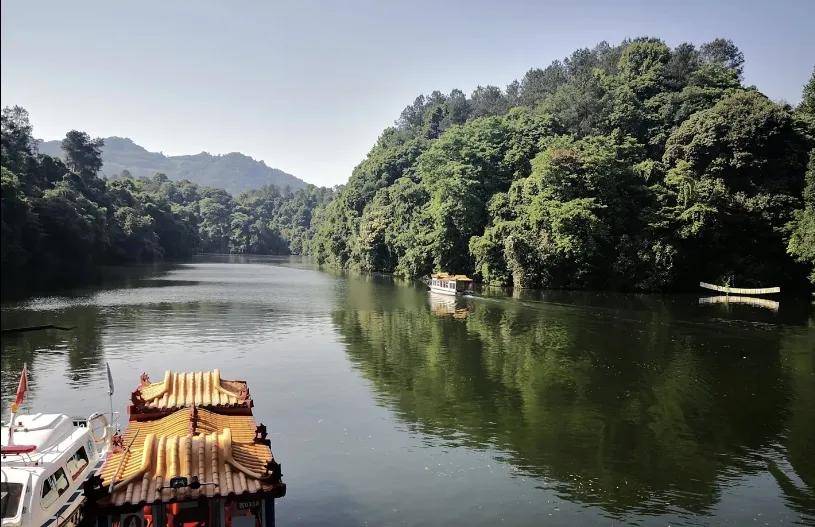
(183, 389)
(193, 442)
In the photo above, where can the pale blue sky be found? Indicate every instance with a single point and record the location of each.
(308, 86)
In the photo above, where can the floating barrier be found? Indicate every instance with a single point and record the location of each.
(740, 290)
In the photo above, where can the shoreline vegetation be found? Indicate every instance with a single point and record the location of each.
(632, 167)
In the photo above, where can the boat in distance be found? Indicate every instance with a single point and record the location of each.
(450, 284)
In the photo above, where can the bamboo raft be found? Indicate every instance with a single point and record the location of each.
(740, 290)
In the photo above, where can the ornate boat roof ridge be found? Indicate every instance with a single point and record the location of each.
(228, 454)
(184, 389)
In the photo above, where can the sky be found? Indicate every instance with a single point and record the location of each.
(308, 86)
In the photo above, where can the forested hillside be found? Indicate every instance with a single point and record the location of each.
(234, 172)
(62, 217)
(634, 166)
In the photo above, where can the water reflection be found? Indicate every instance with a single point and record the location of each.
(79, 348)
(449, 306)
(142, 311)
(380, 396)
(645, 411)
(766, 303)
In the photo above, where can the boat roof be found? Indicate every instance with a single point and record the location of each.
(229, 450)
(452, 277)
(50, 435)
(184, 389)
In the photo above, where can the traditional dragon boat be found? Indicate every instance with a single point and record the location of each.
(192, 455)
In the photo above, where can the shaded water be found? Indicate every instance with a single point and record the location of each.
(390, 406)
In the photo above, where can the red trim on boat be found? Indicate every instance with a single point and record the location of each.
(17, 449)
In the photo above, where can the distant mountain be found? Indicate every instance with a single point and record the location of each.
(233, 172)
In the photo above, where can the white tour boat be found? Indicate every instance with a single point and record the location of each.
(450, 284)
(45, 460)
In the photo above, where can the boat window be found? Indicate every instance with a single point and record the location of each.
(10, 501)
(77, 463)
(62, 481)
(53, 487)
(49, 493)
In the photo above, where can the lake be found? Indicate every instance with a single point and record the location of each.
(387, 406)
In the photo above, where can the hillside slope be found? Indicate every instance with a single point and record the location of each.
(234, 172)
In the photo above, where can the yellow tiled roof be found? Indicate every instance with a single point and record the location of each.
(181, 389)
(456, 277)
(190, 442)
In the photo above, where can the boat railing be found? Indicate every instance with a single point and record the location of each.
(22, 451)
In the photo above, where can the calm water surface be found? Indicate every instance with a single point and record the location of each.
(390, 407)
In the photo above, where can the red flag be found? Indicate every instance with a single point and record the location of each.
(21, 388)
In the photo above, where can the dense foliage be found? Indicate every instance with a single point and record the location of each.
(634, 166)
(60, 216)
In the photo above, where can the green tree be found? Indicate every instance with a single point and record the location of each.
(538, 84)
(723, 52)
(487, 100)
(808, 99)
(19, 224)
(17, 145)
(83, 154)
(735, 176)
(802, 241)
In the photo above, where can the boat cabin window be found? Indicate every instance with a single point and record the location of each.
(53, 487)
(77, 463)
(10, 500)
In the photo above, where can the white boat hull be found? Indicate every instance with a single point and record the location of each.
(444, 291)
(58, 454)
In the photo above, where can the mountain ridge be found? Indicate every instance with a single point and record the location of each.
(235, 172)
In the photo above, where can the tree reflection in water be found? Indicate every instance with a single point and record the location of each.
(81, 345)
(644, 408)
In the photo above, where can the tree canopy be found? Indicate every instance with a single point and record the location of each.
(60, 217)
(630, 166)
(634, 166)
